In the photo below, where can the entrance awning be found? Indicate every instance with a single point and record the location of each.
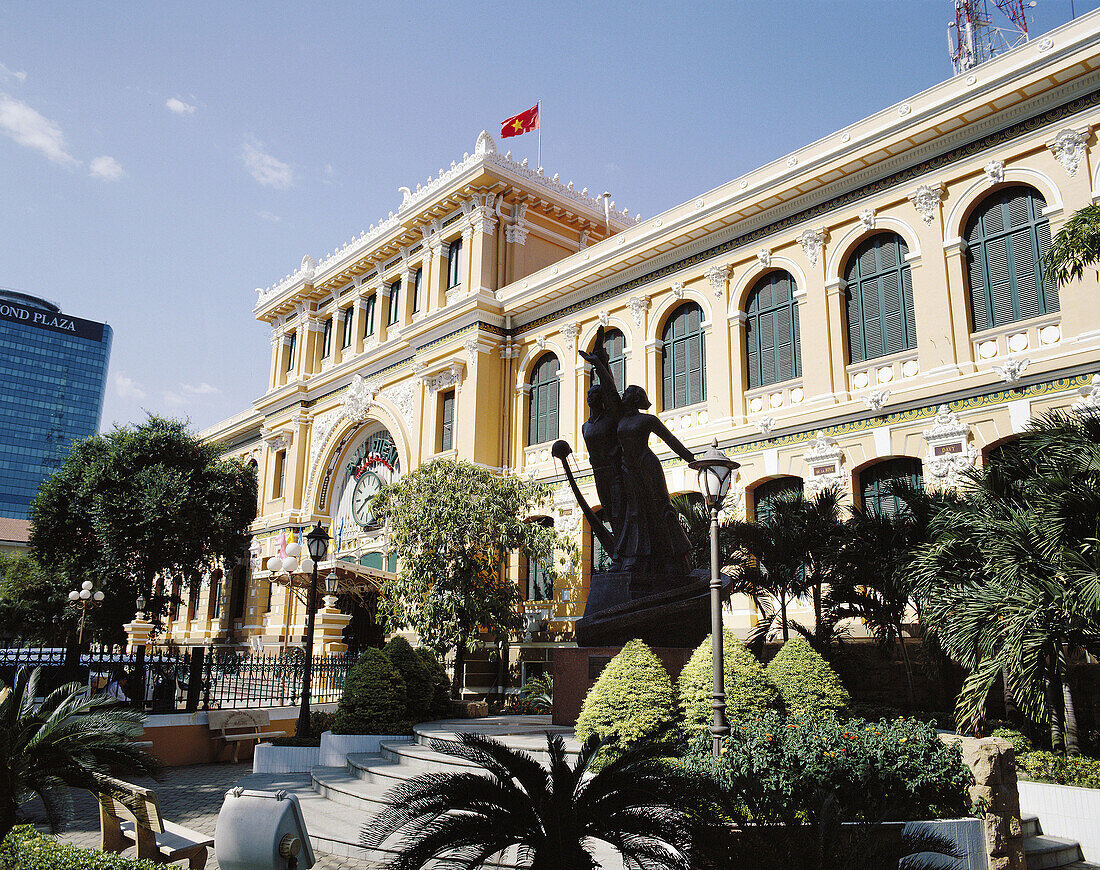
(359, 581)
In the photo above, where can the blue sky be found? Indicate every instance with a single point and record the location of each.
(159, 161)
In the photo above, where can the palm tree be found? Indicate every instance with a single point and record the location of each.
(648, 810)
(695, 519)
(1076, 247)
(1011, 579)
(67, 741)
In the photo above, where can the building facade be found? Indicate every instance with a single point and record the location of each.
(869, 307)
(54, 370)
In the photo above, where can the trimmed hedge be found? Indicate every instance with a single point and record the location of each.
(440, 705)
(1020, 741)
(374, 699)
(1061, 769)
(631, 701)
(805, 680)
(749, 692)
(418, 680)
(26, 849)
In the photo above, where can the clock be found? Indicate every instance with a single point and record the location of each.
(366, 487)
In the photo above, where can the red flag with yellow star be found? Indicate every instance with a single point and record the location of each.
(522, 123)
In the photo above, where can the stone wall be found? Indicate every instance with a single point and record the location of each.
(992, 762)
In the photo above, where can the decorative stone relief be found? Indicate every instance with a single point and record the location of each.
(1068, 149)
(824, 459)
(570, 332)
(949, 450)
(718, 275)
(451, 377)
(812, 242)
(925, 199)
(876, 399)
(484, 144)
(637, 306)
(540, 342)
(1089, 403)
(308, 269)
(764, 255)
(402, 396)
(323, 424)
(277, 441)
(516, 232)
(995, 171)
(583, 241)
(867, 218)
(471, 347)
(1013, 369)
(359, 398)
(678, 290)
(765, 425)
(604, 318)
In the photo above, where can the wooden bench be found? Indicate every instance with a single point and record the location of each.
(131, 814)
(240, 726)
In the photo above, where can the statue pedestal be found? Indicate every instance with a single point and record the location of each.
(328, 631)
(576, 670)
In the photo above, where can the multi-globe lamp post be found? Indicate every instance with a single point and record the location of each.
(317, 545)
(716, 472)
(85, 597)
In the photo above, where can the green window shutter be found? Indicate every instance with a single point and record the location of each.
(875, 482)
(773, 345)
(368, 319)
(767, 493)
(416, 289)
(454, 256)
(542, 424)
(1008, 238)
(683, 368)
(752, 353)
(326, 339)
(290, 351)
(447, 435)
(879, 317)
(395, 303)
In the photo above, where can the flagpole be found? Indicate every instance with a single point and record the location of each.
(539, 113)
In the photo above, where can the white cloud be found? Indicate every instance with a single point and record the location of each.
(203, 389)
(179, 106)
(268, 216)
(266, 169)
(6, 73)
(173, 400)
(127, 388)
(106, 168)
(27, 127)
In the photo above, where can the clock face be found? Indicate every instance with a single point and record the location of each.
(366, 487)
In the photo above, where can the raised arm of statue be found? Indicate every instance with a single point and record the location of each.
(608, 387)
(661, 431)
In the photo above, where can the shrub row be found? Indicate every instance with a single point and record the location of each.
(24, 848)
(389, 690)
(1061, 769)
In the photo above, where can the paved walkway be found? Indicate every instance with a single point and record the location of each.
(190, 796)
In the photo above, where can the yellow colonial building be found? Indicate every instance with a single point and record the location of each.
(869, 307)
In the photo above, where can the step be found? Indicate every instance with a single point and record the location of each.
(1031, 826)
(528, 736)
(1045, 852)
(341, 786)
(423, 759)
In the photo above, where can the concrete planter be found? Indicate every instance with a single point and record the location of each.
(1065, 811)
(336, 747)
(284, 759)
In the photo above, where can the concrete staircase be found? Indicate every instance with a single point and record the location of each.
(1044, 852)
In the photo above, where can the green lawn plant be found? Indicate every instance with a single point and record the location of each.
(749, 691)
(374, 700)
(1061, 769)
(417, 677)
(805, 680)
(26, 849)
(631, 701)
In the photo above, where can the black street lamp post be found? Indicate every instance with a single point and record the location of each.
(715, 474)
(317, 541)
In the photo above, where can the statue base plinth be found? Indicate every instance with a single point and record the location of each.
(662, 610)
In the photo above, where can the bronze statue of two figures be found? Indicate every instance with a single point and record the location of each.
(649, 590)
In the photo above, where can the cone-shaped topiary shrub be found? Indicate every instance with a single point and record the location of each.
(417, 677)
(749, 692)
(374, 700)
(805, 680)
(632, 700)
(440, 706)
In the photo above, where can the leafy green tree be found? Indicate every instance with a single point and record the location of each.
(807, 682)
(137, 505)
(451, 524)
(374, 700)
(632, 701)
(749, 691)
(651, 812)
(417, 677)
(1010, 582)
(67, 741)
(32, 604)
(1076, 246)
(440, 705)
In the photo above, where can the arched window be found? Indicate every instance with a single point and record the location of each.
(684, 371)
(543, 422)
(774, 349)
(766, 494)
(540, 583)
(614, 343)
(879, 299)
(876, 480)
(1007, 238)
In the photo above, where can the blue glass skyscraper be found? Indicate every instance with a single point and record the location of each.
(53, 371)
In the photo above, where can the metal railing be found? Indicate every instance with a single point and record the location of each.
(196, 678)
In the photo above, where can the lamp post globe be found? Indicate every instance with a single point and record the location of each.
(317, 544)
(716, 471)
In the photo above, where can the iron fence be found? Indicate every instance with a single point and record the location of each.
(196, 678)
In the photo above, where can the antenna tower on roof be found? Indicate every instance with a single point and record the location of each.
(975, 36)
